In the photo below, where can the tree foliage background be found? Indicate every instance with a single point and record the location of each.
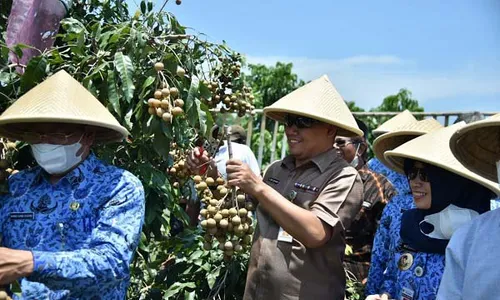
(112, 50)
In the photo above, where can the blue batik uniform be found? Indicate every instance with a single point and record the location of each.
(402, 201)
(421, 279)
(82, 231)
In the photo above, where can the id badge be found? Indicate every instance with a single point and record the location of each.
(407, 294)
(284, 236)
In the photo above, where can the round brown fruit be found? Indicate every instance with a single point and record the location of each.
(223, 223)
(201, 186)
(204, 213)
(180, 72)
(207, 246)
(160, 112)
(204, 223)
(238, 248)
(197, 179)
(217, 217)
(241, 198)
(221, 246)
(3, 295)
(179, 102)
(158, 94)
(224, 213)
(167, 117)
(151, 101)
(174, 92)
(212, 210)
(165, 104)
(223, 191)
(211, 223)
(212, 230)
(165, 92)
(177, 111)
(210, 181)
(159, 66)
(249, 206)
(228, 252)
(243, 212)
(228, 245)
(233, 212)
(152, 111)
(247, 239)
(220, 180)
(214, 202)
(236, 221)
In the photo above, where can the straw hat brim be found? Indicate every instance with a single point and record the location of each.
(318, 100)
(390, 141)
(477, 146)
(104, 132)
(433, 148)
(398, 120)
(63, 100)
(278, 114)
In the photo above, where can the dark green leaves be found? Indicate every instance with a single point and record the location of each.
(124, 66)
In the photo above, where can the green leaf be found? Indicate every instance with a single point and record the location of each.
(147, 83)
(34, 73)
(113, 96)
(124, 66)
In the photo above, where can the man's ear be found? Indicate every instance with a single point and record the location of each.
(332, 131)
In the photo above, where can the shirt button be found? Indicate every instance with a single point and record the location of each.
(419, 271)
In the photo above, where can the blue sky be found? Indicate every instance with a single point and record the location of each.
(446, 52)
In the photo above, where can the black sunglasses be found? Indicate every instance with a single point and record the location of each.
(300, 122)
(420, 172)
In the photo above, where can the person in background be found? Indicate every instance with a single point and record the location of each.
(71, 225)
(472, 255)
(305, 201)
(402, 201)
(377, 192)
(447, 196)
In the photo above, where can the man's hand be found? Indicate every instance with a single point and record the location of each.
(240, 175)
(195, 161)
(14, 264)
(378, 297)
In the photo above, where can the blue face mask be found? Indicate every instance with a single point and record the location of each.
(57, 159)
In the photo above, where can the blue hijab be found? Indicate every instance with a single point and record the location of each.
(446, 188)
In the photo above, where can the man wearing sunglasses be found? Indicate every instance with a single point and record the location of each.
(377, 192)
(69, 226)
(304, 202)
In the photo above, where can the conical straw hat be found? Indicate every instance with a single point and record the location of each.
(402, 134)
(477, 146)
(61, 99)
(394, 122)
(434, 148)
(318, 100)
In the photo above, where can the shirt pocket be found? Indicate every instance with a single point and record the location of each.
(74, 232)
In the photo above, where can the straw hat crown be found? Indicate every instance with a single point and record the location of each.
(394, 122)
(319, 100)
(61, 99)
(434, 149)
(402, 134)
(477, 146)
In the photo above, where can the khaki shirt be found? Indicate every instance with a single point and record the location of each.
(333, 191)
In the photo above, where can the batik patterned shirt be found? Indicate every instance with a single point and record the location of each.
(424, 273)
(82, 231)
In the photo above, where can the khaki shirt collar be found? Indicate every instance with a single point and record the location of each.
(322, 160)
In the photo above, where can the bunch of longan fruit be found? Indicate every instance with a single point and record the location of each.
(166, 102)
(226, 219)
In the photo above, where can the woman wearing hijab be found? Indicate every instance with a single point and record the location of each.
(446, 196)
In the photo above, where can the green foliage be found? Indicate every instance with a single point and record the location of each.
(272, 83)
(112, 54)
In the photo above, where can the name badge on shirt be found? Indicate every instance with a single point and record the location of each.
(284, 236)
(407, 294)
(22, 216)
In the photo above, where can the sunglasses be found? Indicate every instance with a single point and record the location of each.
(420, 172)
(343, 143)
(300, 122)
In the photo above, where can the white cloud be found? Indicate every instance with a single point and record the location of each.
(368, 79)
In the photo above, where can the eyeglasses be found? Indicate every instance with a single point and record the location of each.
(343, 143)
(300, 122)
(420, 172)
(53, 138)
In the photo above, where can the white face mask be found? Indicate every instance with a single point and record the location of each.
(355, 160)
(56, 159)
(448, 220)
